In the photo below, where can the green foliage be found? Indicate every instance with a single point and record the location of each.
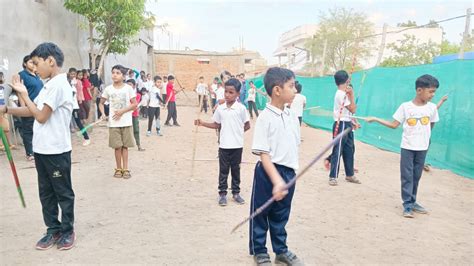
(341, 27)
(115, 22)
(409, 23)
(410, 51)
(449, 48)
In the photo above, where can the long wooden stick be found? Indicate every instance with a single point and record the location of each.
(12, 166)
(82, 131)
(293, 181)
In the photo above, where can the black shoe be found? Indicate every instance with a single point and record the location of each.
(288, 258)
(222, 200)
(48, 241)
(167, 124)
(262, 259)
(237, 198)
(176, 125)
(67, 241)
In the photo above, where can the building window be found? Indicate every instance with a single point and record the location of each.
(203, 61)
(248, 61)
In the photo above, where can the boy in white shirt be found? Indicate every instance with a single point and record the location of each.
(163, 89)
(417, 117)
(52, 111)
(154, 106)
(252, 94)
(220, 94)
(201, 89)
(299, 102)
(232, 120)
(276, 140)
(344, 107)
(122, 100)
(213, 92)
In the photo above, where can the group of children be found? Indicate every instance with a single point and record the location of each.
(276, 141)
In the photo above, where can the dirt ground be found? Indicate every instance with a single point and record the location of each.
(167, 215)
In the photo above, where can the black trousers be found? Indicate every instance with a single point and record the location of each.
(344, 148)
(229, 159)
(77, 119)
(153, 114)
(252, 106)
(172, 113)
(106, 108)
(275, 217)
(27, 134)
(55, 188)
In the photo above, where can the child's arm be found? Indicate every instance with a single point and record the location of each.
(246, 126)
(352, 107)
(279, 190)
(393, 124)
(40, 115)
(101, 108)
(213, 125)
(441, 102)
(16, 111)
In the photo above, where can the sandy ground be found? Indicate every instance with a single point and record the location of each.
(168, 215)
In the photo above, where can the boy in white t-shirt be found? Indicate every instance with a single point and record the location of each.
(299, 102)
(212, 91)
(252, 94)
(154, 101)
(201, 89)
(417, 117)
(232, 120)
(122, 100)
(52, 110)
(344, 107)
(276, 141)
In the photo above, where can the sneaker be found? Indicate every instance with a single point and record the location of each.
(86, 142)
(408, 213)
(262, 259)
(67, 241)
(332, 182)
(353, 179)
(48, 241)
(288, 258)
(222, 200)
(419, 209)
(176, 125)
(148, 133)
(158, 132)
(237, 198)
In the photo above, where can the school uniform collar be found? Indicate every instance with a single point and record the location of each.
(278, 111)
(58, 79)
(233, 106)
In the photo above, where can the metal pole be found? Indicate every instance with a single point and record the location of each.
(466, 33)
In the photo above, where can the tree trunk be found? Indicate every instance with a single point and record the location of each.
(102, 59)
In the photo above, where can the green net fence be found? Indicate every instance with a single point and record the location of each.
(380, 91)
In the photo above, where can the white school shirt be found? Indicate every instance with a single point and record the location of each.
(163, 89)
(119, 98)
(214, 89)
(153, 93)
(251, 94)
(277, 133)
(220, 93)
(201, 89)
(298, 103)
(232, 120)
(75, 104)
(417, 137)
(54, 136)
(338, 99)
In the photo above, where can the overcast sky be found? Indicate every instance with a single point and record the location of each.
(218, 25)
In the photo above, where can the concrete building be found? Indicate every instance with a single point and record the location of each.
(292, 54)
(188, 65)
(27, 23)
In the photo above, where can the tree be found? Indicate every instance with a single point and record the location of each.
(433, 24)
(112, 24)
(410, 51)
(341, 28)
(409, 23)
(449, 48)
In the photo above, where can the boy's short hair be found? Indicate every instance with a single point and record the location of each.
(25, 60)
(165, 77)
(225, 73)
(276, 76)
(341, 77)
(298, 87)
(72, 69)
(131, 81)
(216, 79)
(120, 68)
(156, 78)
(48, 49)
(201, 77)
(234, 83)
(170, 77)
(251, 82)
(426, 81)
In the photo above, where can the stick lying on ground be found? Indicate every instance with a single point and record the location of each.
(293, 181)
